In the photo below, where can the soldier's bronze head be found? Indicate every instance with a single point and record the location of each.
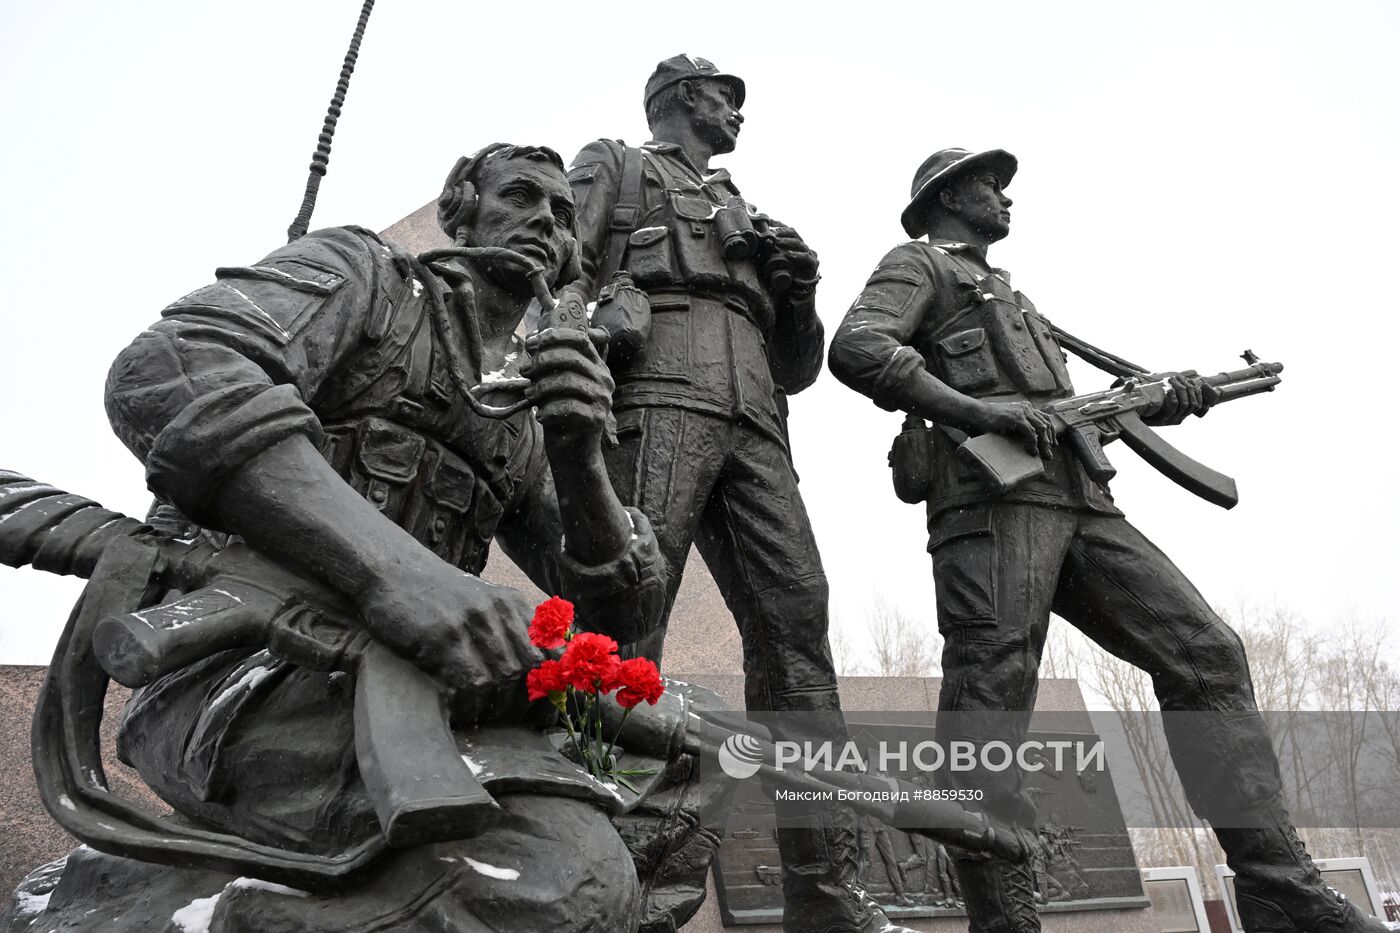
(962, 189)
(693, 90)
(516, 197)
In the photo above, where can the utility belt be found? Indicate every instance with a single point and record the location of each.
(693, 332)
(418, 484)
(924, 468)
(699, 301)
(703, 353)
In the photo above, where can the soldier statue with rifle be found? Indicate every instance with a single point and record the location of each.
(1021, 523)
(331, 406)
(329, 698)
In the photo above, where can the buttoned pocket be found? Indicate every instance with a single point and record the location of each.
(967, 361)
(387, 457)
(448, 492)
(699, 255)
(692, 208)
(649, 256)
(963, 549)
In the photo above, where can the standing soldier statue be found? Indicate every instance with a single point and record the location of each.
(940, 334)
(711, 314)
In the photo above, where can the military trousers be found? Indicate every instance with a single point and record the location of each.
(729, 488)
(1001, 569)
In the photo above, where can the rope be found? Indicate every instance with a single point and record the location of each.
(322, 156)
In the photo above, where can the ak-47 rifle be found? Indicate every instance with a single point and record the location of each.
(235, 597)
(229, 597)
(1087, 422)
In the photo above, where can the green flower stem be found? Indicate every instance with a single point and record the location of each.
(596, 710)
(607, 756)
(569, 725)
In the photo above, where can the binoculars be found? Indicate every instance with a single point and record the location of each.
(745, 234)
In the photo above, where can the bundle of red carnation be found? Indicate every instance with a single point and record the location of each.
(588, 668)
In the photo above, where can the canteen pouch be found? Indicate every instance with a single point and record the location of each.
(625, 313)
(911, 461)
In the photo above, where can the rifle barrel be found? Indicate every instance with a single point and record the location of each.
(1257, 371)
(1231, 391)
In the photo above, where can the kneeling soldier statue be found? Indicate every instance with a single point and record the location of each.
(326, 425)
(940, 334)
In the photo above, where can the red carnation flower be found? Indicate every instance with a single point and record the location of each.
(589, 660)
(551, 623)
(548, 678)
(639, 680)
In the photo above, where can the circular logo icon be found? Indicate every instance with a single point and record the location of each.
(740, 756)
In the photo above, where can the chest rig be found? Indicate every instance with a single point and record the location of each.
(677, 238)
(987, 340)
(402, 438)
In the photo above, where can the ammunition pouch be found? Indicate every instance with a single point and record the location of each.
(699, 241)
(967, 361)
(682, 248)
(419, 485)
(994, 342)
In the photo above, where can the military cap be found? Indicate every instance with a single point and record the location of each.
(684, 67)
(944, 166)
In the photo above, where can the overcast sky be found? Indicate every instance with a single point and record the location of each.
(1196, 179)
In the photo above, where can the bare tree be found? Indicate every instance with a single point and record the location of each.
(843, 655)
(1064, 651)
(1300, 678)
(1325, 700)
(903, 646)
(1284, 662)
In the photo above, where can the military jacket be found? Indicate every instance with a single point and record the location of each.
(934, 308)
(331, 338)
(720, 343)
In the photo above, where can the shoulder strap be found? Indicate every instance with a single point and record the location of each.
(1101, 359)
(625, 215)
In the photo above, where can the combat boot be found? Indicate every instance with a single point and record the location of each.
(999, 896)
(1261, 916)
(1277, 886)
(821, 890)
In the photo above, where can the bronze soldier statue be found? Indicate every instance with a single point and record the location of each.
(322, 405)
(710, 305)
(940, 334)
